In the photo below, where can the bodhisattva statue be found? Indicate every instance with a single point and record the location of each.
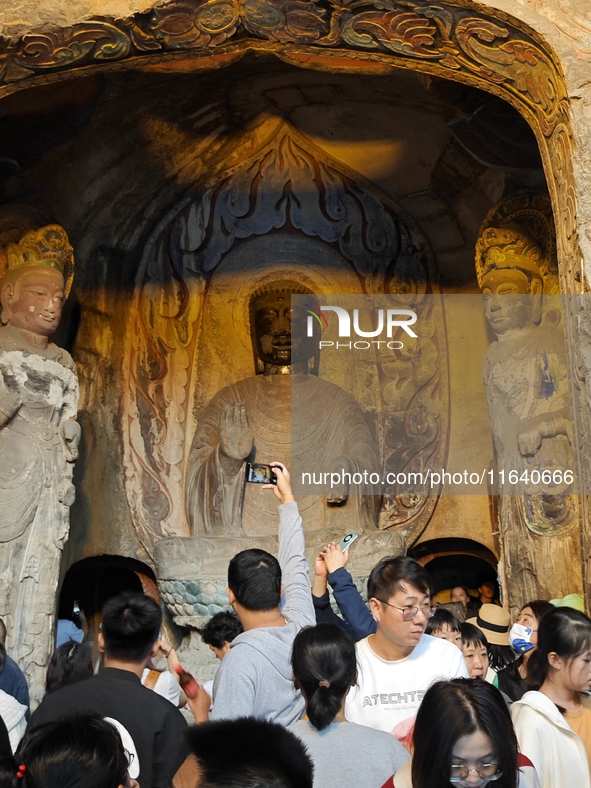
(251, 420)
(38, 443)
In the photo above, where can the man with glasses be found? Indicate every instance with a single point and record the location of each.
(399, 662)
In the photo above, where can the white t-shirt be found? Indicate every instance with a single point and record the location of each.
(387, 693)
(167, 686)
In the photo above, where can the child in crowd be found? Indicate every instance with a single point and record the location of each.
(553, 725)
(220, 631)
(218, 634)
(344, 754)
(512, 680)
(463, 736)
(495, 623)
(81, 751)
(443, 624)
(475, 650)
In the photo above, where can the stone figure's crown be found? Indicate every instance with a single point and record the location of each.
(508, 247)
(47, 247)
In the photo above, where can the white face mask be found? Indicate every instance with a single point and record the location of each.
(520, 638)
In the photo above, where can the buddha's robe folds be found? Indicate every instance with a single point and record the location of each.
(327, 424)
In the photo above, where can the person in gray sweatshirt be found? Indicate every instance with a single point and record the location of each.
(254, 678)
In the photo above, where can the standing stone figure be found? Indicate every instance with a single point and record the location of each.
(527, 391)
(38, 442)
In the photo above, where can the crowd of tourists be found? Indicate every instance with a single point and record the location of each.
(392, 693)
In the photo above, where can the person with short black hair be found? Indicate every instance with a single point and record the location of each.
(69, 663)
(443, 624)
(254, 678)
(244, 753)
(130, 636)
(344, 754)
(475, 650)
(463, 732)
(79, 751)
(220, 631)
(399, 662)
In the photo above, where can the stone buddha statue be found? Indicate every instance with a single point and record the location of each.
(38, 442)
(526, 380)
(251, 420)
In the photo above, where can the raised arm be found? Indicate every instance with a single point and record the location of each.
(350, 602)
(296, 604)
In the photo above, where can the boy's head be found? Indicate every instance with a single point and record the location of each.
(399, 593)
(245, 753)
(220, 631)
(487, 590)
(130, 627)
(254, 580)
(475, 650)
(443, 624)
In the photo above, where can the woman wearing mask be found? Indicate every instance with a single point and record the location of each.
(464, 737)
(523, 637)
(553, 725)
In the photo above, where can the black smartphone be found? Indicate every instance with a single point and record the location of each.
(260, 474)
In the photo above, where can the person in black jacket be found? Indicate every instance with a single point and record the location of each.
(155, 727)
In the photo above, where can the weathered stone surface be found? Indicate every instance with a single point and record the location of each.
(38, 443)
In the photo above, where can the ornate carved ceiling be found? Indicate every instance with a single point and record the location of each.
(459, 40)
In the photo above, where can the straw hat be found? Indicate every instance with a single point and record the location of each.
(494, 622)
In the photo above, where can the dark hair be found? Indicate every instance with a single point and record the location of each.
(70, 662)
(324, 653)
(439, 618)
(564, 631)
(500, 656)
(2, 632)
(254, 576)
(131, 624)
(221, 628)
(390, 573)
(2, 658)
(450, 710)
(79, 751)
(539, 607)
(260, 755)
(473, 636)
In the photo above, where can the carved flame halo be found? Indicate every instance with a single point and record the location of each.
(48, 247)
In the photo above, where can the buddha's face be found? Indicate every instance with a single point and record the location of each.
(505, 310)
(34, 301)
(273, 333)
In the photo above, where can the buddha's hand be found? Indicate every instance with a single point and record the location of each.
(529, 442)
(339, 491)
(70, 432)
(236, 438)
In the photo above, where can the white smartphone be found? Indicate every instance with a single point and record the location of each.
(347, 541)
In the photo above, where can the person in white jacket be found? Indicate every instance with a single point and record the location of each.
(553, 725)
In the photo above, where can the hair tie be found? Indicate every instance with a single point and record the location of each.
(324, 683)
(20, 772)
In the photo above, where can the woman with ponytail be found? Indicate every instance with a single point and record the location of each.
(553, 724)
(345, 754)
(81, 751)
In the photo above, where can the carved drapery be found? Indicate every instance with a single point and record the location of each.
(291, 189)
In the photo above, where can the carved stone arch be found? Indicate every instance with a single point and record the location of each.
(455, 39)
(259, 216)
